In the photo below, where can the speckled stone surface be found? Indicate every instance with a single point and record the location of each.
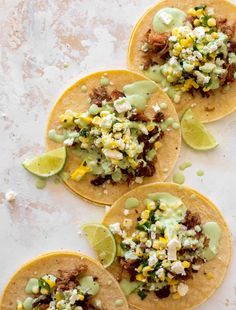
(45, 47)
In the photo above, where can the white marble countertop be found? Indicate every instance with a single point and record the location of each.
(45, 47)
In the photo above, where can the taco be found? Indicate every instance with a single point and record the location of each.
(188, 48)
(62, 280)
(174, 246)
(120, 130)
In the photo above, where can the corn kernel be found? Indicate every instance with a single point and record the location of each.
(156, 244)
(196, 22)
(170, 79)
(146, 270)
(143, 240)
(80, 172)
(175, 32)
(133, 163)
(195, 85)
(44, 291)
(59, 305)
(150, 127)
(173, 289)
(163, 240)
(66, 120)
(166, 263)
(185, 42)
(178, 47)
(151, 206)
(211, 22)
(127, 223)
(50, 282)
(209, 275)
(172, 281)
(145, 214)
(186, 264)
(59, 296)
(81, 297)
(199, 13)
(175, 53)
(176, 296)
(104, 113)
(192, 12)
(143, 221)
(215, 35)
(140, 277)
(213, 55)
(19, 305)
(140, 268)
(97, 121)
(157, 145)
(142, 234)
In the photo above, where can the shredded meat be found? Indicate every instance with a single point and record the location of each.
(99, 180)
(42, 302)
(130, 266)
(191, 220)
(139, 116)
(227, 29)
(206, 242)
(158, 48)
(159, 117)
(163, 292)
(145, 171)
(98, 95)
(85, 304)
(69, 279)
(232, 47)
(228, 77)
(116, 94)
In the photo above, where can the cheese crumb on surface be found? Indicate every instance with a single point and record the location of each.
(182, 289)
(178, 268)
(173, 246)
(10, 196)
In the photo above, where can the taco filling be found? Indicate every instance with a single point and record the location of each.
(165, 247)
(191, 52)
(70, 290)
(114, 138)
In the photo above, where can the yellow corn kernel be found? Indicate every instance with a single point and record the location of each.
(199, 13)
(173, 289)
(150, 127)
(139, 251)
(176, 296)
(185, 42)
(80, 172)
(81, 297)
(44, 291)
(86, 119)
(209, 275)
(151, 206)
(196, 22)
(104, 113)
(115, 161)
(140, 277)
(133, 163)
(140, 268)
(175, 53)
(59, 296)
(186, 264)
(172, 281)
(170, 79)
(166, 263)
(205, 89)
(19, 306)
(192, 12)
(213, 55)
(97, 121)
(215, 35)
(195, 85)
(50, 282)
(143, 240)
(175, 32)
(206, 29)
(59, 305)
(126, 138)
(163, 240)
(163, 206)
(188, 84)
(66, 120)
(142, 234)
(146, 270)
(211, 22)
(178, 47)
(145, 214)
(157, 145)
(156, 244)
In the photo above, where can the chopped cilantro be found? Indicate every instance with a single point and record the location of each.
(142, 294)
(200, 7)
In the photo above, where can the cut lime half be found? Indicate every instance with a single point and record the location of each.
(102, 241)
(47, 164)
(195, 134)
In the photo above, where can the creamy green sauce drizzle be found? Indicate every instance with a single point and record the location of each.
(41, 183)
(128, 287)
(54, 136)
(132, 203)
(119, 302)
(200, 173)
(213, 232)
(168, 18)
(163, 105)
(185, 165)
(176, 126)
(178, 178)
(139, 92)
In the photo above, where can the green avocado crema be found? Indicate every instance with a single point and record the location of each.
(213, 232)
(168, 239)
(132, 203)
(40, 288)
(168, 18)
(139, 92)
(108, 137)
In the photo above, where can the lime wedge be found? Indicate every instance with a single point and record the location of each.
(47, 164)
(195, 134)
(102, 241)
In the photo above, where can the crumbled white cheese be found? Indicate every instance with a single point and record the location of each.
(130, 255)
(172, 38)
(182, 289)
(74, 297)
(178, 268)
(97, 303)
(115, 228)
(10, 196)
(166, 18)
(196, 267)
(197, 228)
(153, 235)
(177, 98)
(156, 108)
(69, 141)
(126, 212)
(201, 78)
(160, 273)
(173, 61)
(199, 32)
(139, 180)
(197, 54)
(173, 245)
(114, 154)
(148, 243)
(152, 260)
(122, 105)
(130, 242)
